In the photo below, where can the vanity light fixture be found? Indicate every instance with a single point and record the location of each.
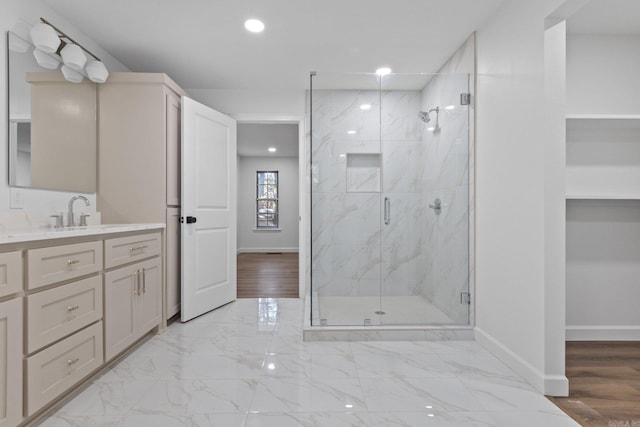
(383, 71)
(50, 40)
(50, 61)
(254, 25)
(73, 57)
(351, 132)
(450, 107)
(365, 107)
(70, 74)
(272, 149)
(44, 37)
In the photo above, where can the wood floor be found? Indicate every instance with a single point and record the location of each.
(268, 275)
(604, 384)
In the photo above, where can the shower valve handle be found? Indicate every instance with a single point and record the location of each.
(436, 205)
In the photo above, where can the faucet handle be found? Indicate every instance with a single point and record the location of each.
(58, 218)
(83, 219)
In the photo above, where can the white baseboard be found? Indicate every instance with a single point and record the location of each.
(603, 333)
(551, 385)
(265, 250)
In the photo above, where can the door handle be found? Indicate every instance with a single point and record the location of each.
(387, 211)
(191, 219)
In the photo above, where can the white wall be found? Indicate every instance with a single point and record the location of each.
(252, 101)
(14, 11)
(250, 239)
(513, 217)
(602, 72)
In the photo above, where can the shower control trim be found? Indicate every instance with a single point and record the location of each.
(387, 211)
(436, 206)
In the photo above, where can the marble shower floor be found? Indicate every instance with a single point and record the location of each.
(399, 310)
(245, 364)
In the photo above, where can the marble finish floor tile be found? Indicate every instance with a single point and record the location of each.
(245, 365)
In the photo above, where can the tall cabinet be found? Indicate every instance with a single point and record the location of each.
(139, 161)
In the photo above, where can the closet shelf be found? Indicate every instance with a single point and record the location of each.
(603, 197)
(603, 116)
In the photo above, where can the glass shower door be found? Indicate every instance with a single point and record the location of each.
(425, 200)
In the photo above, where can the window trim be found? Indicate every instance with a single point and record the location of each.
(276, 202)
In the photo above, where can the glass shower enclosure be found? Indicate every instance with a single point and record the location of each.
(390, 199)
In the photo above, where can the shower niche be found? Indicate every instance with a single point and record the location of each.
(363, 172)
(383, 149)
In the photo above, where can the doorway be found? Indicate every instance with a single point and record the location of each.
(269, 209)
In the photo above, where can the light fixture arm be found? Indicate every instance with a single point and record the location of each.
(61, 35)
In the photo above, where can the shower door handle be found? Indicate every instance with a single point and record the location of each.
(387, 211)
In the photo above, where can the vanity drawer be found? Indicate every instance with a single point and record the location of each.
(58, 263)
(10, 273)
(61, 311)
(123, 250)
(57, 368)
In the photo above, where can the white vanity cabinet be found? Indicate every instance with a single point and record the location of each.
(66, 300)
(11, 338)
(11, 361)
(132, 289)
(64, 313)
(139, 130)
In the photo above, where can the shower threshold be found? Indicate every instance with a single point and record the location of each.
(335, 313)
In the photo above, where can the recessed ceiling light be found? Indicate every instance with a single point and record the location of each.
(348, 406)
(365, 107)
(450, 107)
(431, 129)
(383, 71)
(272, 149)
(351, 132)
(254, 25)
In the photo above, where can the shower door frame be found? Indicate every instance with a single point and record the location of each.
(471, 223)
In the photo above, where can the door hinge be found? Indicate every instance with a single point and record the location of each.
(465, 98)
(465, 298)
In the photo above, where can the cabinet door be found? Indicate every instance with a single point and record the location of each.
(149, 300)
(172, 275)
(173, 148)
(11, 273)
(120, 317)
(11, 362)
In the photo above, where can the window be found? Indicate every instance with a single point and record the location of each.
(267, 199)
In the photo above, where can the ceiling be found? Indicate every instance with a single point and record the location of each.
(202, 44)
(606, 17)
(255, 138)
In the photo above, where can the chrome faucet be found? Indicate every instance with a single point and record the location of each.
(71, 222)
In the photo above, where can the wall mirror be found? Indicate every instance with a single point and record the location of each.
(52, 124)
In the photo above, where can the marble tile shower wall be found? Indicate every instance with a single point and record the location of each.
(348, 187)
(446, 244)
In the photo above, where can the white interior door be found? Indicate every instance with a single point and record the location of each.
(208, 209)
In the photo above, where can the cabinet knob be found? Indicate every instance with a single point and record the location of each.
(72, 361)
(72, 307)
(137, 248)
(71, 262)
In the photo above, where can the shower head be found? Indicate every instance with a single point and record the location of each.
(424, 115)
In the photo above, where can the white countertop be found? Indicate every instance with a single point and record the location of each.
(91, 230)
